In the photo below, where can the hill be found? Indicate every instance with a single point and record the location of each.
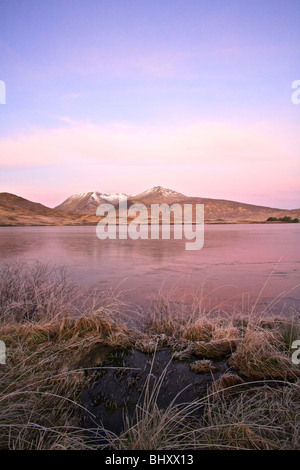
(15, 210)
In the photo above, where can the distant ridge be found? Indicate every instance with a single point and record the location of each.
(80, 209)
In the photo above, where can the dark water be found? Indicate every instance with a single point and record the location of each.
(231, 269)
(117, 391)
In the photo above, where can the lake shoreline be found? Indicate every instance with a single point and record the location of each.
(95, 224)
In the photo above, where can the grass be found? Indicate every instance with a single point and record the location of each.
(260, 418)
(56, 341)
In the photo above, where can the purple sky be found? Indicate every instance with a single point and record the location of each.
(123, 95)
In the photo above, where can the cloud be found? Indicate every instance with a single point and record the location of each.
(204, 143)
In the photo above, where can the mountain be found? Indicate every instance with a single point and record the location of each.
(158, 195)
(80, 209)
(87, 203)
(216, 210)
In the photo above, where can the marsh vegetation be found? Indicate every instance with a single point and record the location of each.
(59, 344)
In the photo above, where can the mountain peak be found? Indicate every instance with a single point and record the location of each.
(87, 203)
(159, 191)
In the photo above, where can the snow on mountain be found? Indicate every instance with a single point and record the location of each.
(158, 190)
(87, 203)
(158, 194)
(114, 198)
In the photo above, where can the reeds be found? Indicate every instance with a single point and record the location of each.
(33, 292)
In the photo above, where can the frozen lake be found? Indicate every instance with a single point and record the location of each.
(231, 269)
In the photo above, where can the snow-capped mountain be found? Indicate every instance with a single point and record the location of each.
(80, 209)
(87, 203)
(114, 198)
(158, 194)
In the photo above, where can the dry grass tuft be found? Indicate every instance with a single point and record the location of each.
(258, 418)
(202, 367)
(227, 384)
(261, 355)
(202, 330)
(214, 349)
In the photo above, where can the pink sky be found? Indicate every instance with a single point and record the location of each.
(254, 163)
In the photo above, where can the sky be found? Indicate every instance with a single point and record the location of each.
(124, 95)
